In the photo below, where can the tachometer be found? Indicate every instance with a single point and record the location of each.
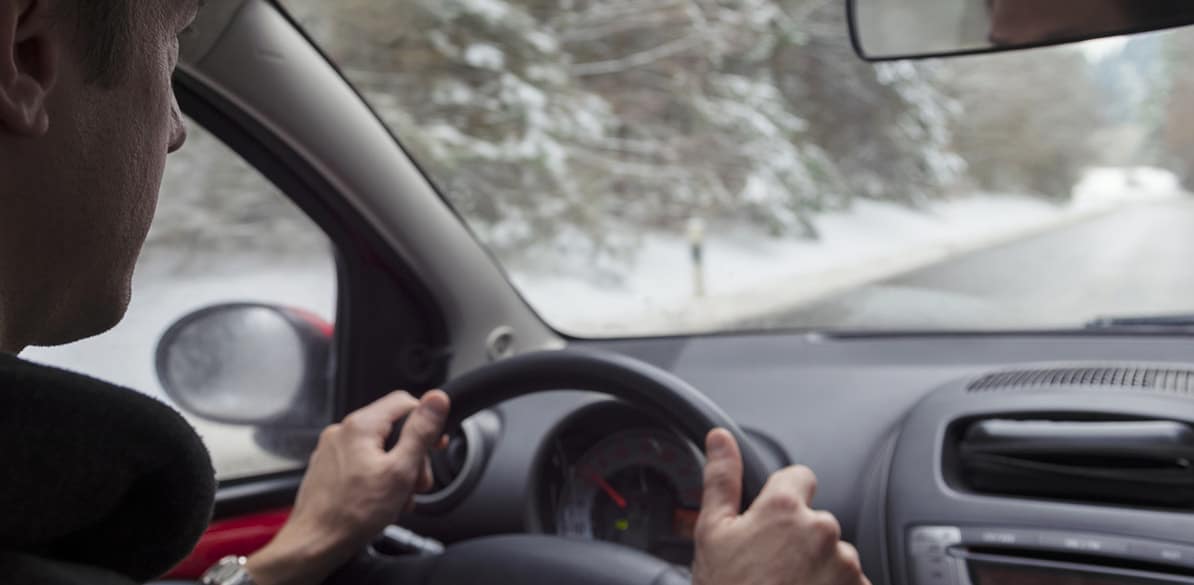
(640, 488)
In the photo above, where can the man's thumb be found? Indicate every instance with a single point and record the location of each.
(722, 496)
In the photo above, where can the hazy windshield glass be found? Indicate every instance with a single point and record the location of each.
(663, 166)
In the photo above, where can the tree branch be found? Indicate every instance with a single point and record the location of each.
(640, 59)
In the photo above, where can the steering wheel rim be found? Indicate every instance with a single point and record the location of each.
(656, 391)
(528, 559)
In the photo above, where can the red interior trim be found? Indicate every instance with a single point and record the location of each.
(315, 320)
(241, 536)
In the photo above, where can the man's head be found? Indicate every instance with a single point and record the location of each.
(87, 117)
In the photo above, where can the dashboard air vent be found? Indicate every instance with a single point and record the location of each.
(457, 469)
(1134, 463)
(1118, 377)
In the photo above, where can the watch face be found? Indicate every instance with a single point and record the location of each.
(228, 572)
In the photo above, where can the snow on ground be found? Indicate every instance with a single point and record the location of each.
(749, 275)
(1111, 185)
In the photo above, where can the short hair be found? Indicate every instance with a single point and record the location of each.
(102, 31)
(1158, 12)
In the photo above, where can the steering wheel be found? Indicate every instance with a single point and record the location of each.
(532, 559)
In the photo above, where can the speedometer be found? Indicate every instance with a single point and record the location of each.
(639, 488)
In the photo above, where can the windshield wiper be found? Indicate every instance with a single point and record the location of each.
(1144, 322)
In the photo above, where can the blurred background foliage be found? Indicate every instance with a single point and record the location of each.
(584, 123)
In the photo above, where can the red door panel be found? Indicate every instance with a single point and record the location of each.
(241, 536)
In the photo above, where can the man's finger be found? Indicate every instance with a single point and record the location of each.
(423, 427)
(379, 418)
(787, 490)
(852, 563)
(722, 495)
(426, 478)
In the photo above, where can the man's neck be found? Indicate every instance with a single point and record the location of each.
(8, 345)
(11, 339)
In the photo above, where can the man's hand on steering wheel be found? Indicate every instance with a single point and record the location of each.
(780, 540)
(354, 488)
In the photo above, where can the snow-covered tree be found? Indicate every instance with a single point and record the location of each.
(1176, 106)
(1029, 121)
(585, 123)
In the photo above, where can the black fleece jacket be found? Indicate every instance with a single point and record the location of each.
(98, 484)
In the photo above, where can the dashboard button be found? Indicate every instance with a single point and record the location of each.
(934, 570)
(1084, 543)
(1169, 554)
(933, 539)
(1006, 537)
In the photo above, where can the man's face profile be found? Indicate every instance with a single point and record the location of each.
(81, 158)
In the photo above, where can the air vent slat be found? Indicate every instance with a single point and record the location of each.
(1170, 380)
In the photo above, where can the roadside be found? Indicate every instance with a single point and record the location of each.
(749, 276)
(1126, 263)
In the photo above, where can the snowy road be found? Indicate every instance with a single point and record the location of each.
(1137, 260)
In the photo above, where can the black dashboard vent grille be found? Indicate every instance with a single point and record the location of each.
(1135, 463)
(1136, 378)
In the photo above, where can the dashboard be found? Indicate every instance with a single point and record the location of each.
(948, 460)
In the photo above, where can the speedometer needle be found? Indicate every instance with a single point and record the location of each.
(608, 489)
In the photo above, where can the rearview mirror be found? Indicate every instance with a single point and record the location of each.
(903, 29)
(248, 364)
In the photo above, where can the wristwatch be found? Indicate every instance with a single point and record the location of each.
(229, 571)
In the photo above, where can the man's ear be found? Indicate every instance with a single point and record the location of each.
(29, 60)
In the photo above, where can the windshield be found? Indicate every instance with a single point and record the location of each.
(646, 167)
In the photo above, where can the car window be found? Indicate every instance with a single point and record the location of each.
(681, 166)
(222, 234)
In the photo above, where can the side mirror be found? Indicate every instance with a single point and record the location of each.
(905, 29)
(248, 364)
